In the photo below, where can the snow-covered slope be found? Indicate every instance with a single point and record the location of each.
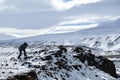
(52, 65)
(105, 38)
(102, 40)
(6, 37)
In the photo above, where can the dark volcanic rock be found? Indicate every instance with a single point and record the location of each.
(62, 49)
(100, 62)
(60, 60)
(78, 49)
(47, 58)
(24, 76)
(107, 66)
(57, 54)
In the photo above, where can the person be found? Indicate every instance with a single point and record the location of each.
(22, 50)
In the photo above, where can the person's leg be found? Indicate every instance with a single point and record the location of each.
(20, 54)
(25, 55)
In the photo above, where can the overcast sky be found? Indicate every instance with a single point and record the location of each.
(23, 18)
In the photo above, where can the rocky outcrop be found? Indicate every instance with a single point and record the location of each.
(84, 54)
(99, 62)
(106, 65)
(63, 61)
(62, 48)
(24, 76)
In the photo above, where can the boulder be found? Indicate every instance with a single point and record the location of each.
(49, 57)
(31, 75)
(107, 66)
(78, 49)
(62, 49)
(99, 62)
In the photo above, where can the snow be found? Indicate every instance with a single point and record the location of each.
(103, 40)
(85, 73)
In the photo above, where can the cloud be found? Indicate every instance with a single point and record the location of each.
(19, 33)
(24, 17)
(103, 8)
(41, 5)
(26, 6)
(30, 20)
(63, 5)
(4, 7)
(113, 24)
(87, 20)
(30, 16)
(6, 37)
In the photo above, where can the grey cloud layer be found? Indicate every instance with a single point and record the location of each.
(30, 20)
(33, 17)
(106, 7)
(29, 5)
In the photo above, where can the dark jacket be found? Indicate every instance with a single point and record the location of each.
(23, 46)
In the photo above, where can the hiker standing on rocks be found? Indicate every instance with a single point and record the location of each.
(22, 50)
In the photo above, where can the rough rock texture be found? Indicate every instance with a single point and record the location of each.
(24, 76)
(100, 62)
(63, 62)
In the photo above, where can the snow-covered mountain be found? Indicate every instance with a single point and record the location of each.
(6, 37)
(102, 40)
(105, 38)
(56, 65)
